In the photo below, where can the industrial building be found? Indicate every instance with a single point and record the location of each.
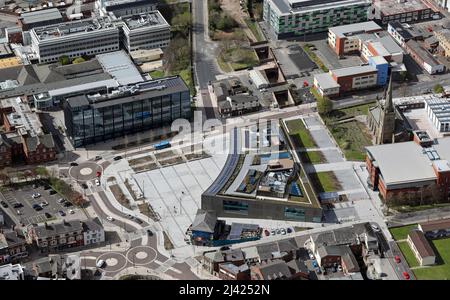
(423, 58)
(145, 31)
(288, 18)
(120, 8)
(412, 172)
(438, 112)
(94, 117)
(38, 18)
(74, 39)
(402, 33)
(404, 11)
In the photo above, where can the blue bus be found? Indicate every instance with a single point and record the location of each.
(162, 145)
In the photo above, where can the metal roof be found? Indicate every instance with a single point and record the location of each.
(350, 71)
(356, 28)
(119, 65)
(41, 16)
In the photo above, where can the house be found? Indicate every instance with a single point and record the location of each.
(56, 267)
(423, 58)
(229, 271)
(53, 237)
(212, 259)
(329, 256)
(235, 105)
(251, 255)
(279, 270)
(13, 246)
(421, 248)
(93, 232)
(204, 227)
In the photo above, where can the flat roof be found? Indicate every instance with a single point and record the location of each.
(41, 15)
(394, 7)
(119, 65)
(298, 6)
(149, 19)
(356, 28)
(353, 70)
(424, 54)
(440, 108)
(402, 163)
(326, 81)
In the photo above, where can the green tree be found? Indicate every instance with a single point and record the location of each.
(438, 89)
(64, 60)
(42, 172)
(324, 106)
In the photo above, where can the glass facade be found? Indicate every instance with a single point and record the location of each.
(294, 213)
(237, 207)
(95, 122)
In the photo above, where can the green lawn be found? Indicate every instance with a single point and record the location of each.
(352, 137)
(297, 128)
(442, 269)
(349, 112)
(156, 74)
(408, 254)
(401, 233)
(325, 182)
(313, 157)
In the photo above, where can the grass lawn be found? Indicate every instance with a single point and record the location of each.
(252, 26)
(349, 112)
(401, 233)
(156, 74)
(442, 270)
(325, 182)
(313, 157)
(408, 254)
(237, 58)
(352, 138)
(297, 128)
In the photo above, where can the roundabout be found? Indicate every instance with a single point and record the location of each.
(114, 261)
(141, 255)
(85, 171)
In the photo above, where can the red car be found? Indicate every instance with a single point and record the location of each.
(98, 173)
(405, 275)
(397, 259)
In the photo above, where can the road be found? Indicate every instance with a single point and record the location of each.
(205, 67)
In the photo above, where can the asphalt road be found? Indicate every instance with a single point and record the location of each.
(204, 55)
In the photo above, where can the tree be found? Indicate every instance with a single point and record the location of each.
(41, 172)
(64, 60)
(324, 105)
(438, 89)
(78, 60)
(250, 8)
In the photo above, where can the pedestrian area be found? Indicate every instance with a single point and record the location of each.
(174, 192)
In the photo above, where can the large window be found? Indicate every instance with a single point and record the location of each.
(294, 213)
(237, 207)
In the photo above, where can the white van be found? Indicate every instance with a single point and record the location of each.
(100, 263)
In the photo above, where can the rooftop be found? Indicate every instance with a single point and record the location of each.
(50, 230)
(356, 28)
(420, 51)
(440, 108)
(421, 243)
(11, 272)
(41, 16)
(22, 118)
(443, 224)
(326, 81)
(119, 65)
(150, 19)
(393, 7)
(349, 71)
(286, 6)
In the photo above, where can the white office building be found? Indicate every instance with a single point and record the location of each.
(74, 39)
(438, 111)
(121, 8)
(145, 31)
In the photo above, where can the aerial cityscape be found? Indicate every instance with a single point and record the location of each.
(233, 140)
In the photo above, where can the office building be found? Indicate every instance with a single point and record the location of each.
(121, 8)
(410, 173)
(145, 31)
(438, 112)
(403, 11)
(288, 18)
(74, 39)
(90, 118)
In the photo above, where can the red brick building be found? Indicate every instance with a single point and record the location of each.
(411, 173)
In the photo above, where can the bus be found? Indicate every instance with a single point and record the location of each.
(162, 145)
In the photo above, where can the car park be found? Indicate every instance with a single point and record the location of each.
(62, 213)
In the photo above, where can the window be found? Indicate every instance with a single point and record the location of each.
(235, 207)
(294, 213)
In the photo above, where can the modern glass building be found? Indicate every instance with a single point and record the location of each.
(290, 18)
(91, 118)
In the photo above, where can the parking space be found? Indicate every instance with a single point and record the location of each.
(44, 206)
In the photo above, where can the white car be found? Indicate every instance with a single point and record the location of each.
(97, 182)
(36, 195)
(100, 263)
(283, 231)
(375, 227)
(71, 211)
(44, 203)
(109, 218)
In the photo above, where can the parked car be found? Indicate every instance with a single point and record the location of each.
(405, 275)
(117, 158)
(397, 259)
(375, 227)
(73, 164)
(18, 212)
(37, 207)
(314, 264)
(109, 218)
(17, 205)
(48, 215)
(67, 204)
(318, 271)
(97, 158)
(44, 203)
(98, 174)
(84, 186)
(278, 231)
(139, 221)
(62, 213)
(97, 182)
(71, 211)
(289, 230)
(61, 200)
(149, 232)
(311, 256)
(224, 248)
(339, 268)
(36, 195)
(100, 263)
(4, 204)
(266, 232)
(283, 231)
(273, 232)
(52, 192)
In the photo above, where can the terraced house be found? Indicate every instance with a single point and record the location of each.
(288, 18)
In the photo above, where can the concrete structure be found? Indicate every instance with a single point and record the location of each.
(90, 118)
(345, 39)
(402, 33)
(443, 37)
(404, 11)
(12, 272)
(38, 18)
(423, 58)
(438, 111)
(326, 85)
(410, 173)
(74, 39)
(287, 18)
(143, 56)
(421, 248)
(121, 8)
(145, 31)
